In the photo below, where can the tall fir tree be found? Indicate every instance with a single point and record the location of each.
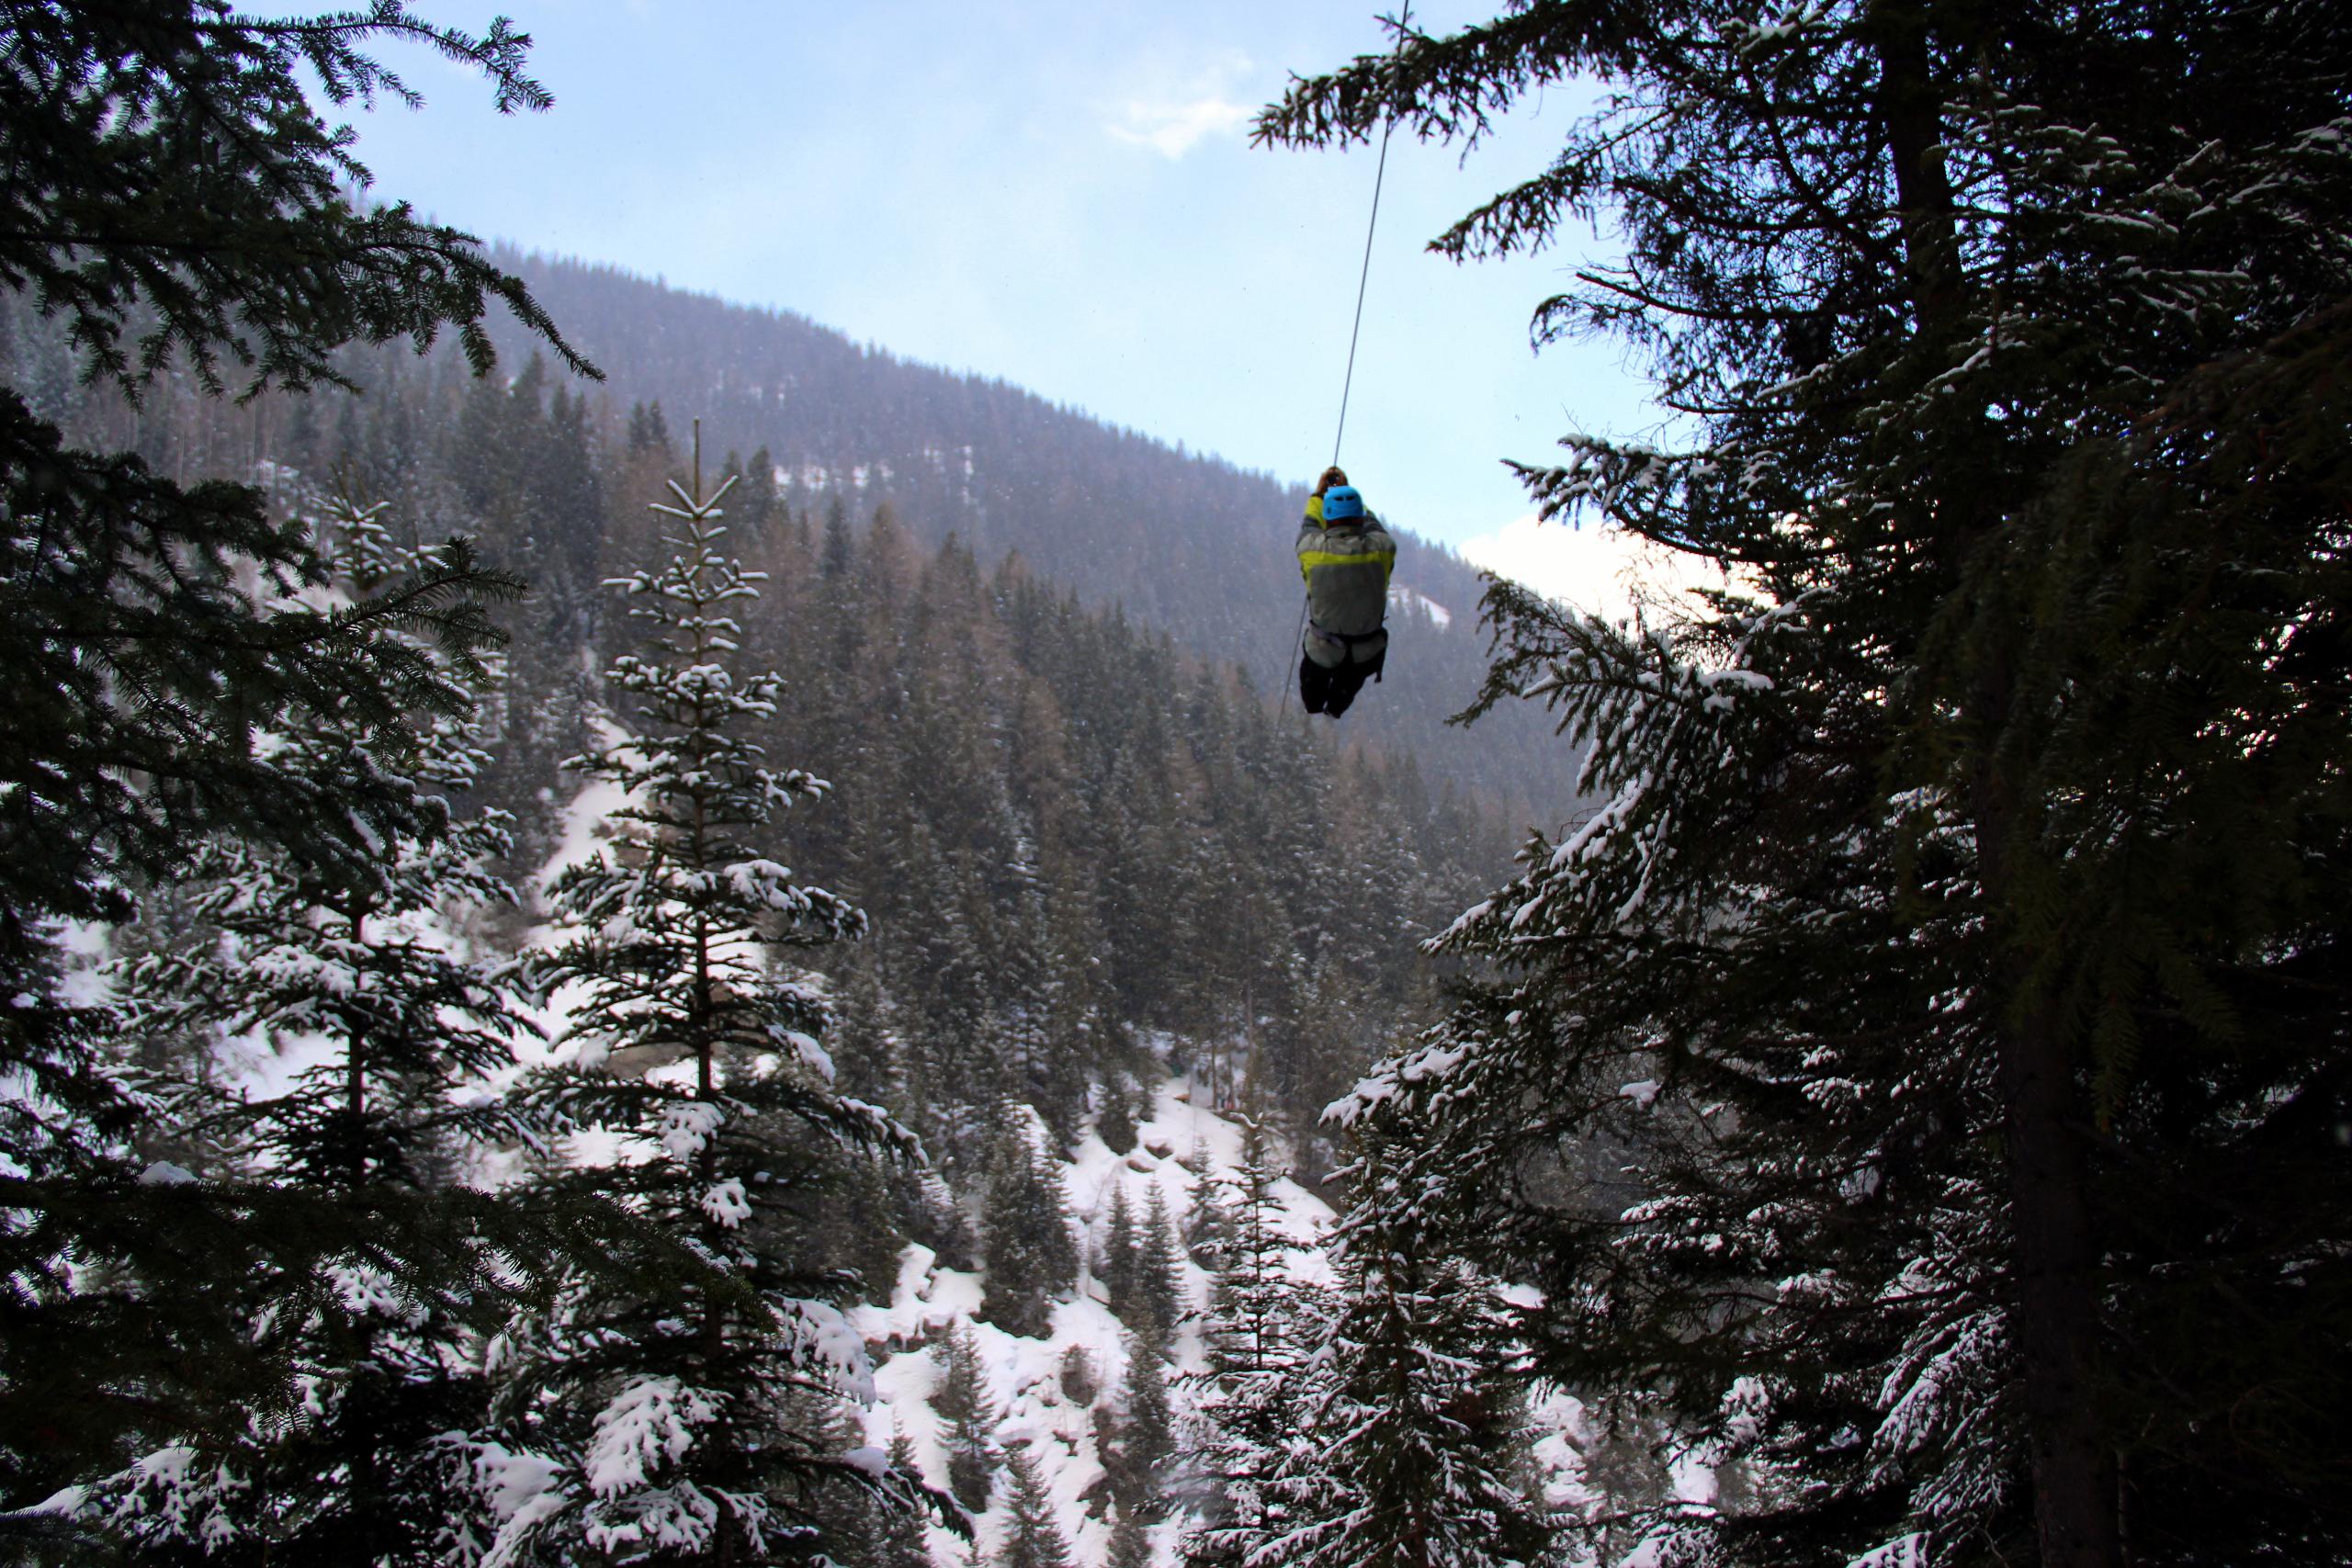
(1161, 1297)
(167, 162)
(1250, 1399)
(1952, 938)
(344, 964)
(1030, 1254)
(1408, 1451)
(689, 1411)
(1115, 1123)
(1130, 1546)
(962, 1400)
(1121, 1259)
(1143, 1442)
(1032, 1535)
(902, 1536)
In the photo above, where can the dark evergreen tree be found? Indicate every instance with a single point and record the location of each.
(1161, 1293)
(1208, 1225)
(839, 548)
(1030, 1256)
(1952, 937)
(961, 1398)
(1408, 1452)
(301, 957)
(1033, 1537)
(1077, 1378)
(177, 210)
(649, 431)
(690, 1411)
(1130, 1547)
(1116, 1124)
(1143, 1445)
(1122, 1259)
(902, 1539)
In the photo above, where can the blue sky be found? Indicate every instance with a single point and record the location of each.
(1060, 193)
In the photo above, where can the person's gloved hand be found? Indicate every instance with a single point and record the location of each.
(1332, 475)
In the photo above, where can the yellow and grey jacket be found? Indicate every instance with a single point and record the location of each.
(1346, 566)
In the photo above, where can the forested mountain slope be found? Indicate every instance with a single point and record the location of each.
(1185, 542)
(1072, 831)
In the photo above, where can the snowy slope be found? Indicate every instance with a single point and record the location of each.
(1023, 1374)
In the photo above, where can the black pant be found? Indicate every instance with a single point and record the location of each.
(1331, 691)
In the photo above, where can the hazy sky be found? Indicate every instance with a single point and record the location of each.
(1057, 192)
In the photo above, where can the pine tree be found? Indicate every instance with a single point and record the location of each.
(1117, 1123)
(1408, 1452)
(1935, 938)
(962, 1401)
(1130, 1547)
(1121, 1259)
(166, 164)
(342, 958)
(1030, 1256)
(686, 1405)
(1143, 1441)
(1208, 1225)
(1160, 1294)
(1077, 1376)
(903, 1539)
(1033, 1538)
(1250, 1399)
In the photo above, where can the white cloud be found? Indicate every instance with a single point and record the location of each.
(1172, 129)
(1178, 105)
(1602, 570)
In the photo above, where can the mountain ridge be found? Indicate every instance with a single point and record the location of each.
(1181, 540)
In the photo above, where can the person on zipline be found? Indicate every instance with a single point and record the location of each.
(1346, 557)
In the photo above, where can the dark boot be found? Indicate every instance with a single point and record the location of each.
(1313, 685)
(1342, 684)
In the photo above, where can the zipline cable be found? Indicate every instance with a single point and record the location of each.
(1355, 331)
(1364, 278)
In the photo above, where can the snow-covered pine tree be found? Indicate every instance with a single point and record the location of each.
(152, 633)
(961, 1398)
(1142, 1443)
(1162, 1299)
(1117, 1123)
(1939, 941)
(1029, 1252)
(346, 965)
(683, 1407)
(1032, 1535)
(1626, 1474)
(902, 1539)
(947, 981)
(1208, 1225)
(1122, 1261)
(1130, 1545)
(1250, 1399)
(1407, 1456)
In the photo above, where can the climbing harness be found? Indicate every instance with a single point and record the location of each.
(1355, 330)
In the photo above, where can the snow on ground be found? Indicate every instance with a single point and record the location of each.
(1181, 1150)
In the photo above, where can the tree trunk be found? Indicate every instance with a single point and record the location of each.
(2054, 1263)
(2053, 1256)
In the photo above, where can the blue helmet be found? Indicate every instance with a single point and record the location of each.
(1342, 501)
